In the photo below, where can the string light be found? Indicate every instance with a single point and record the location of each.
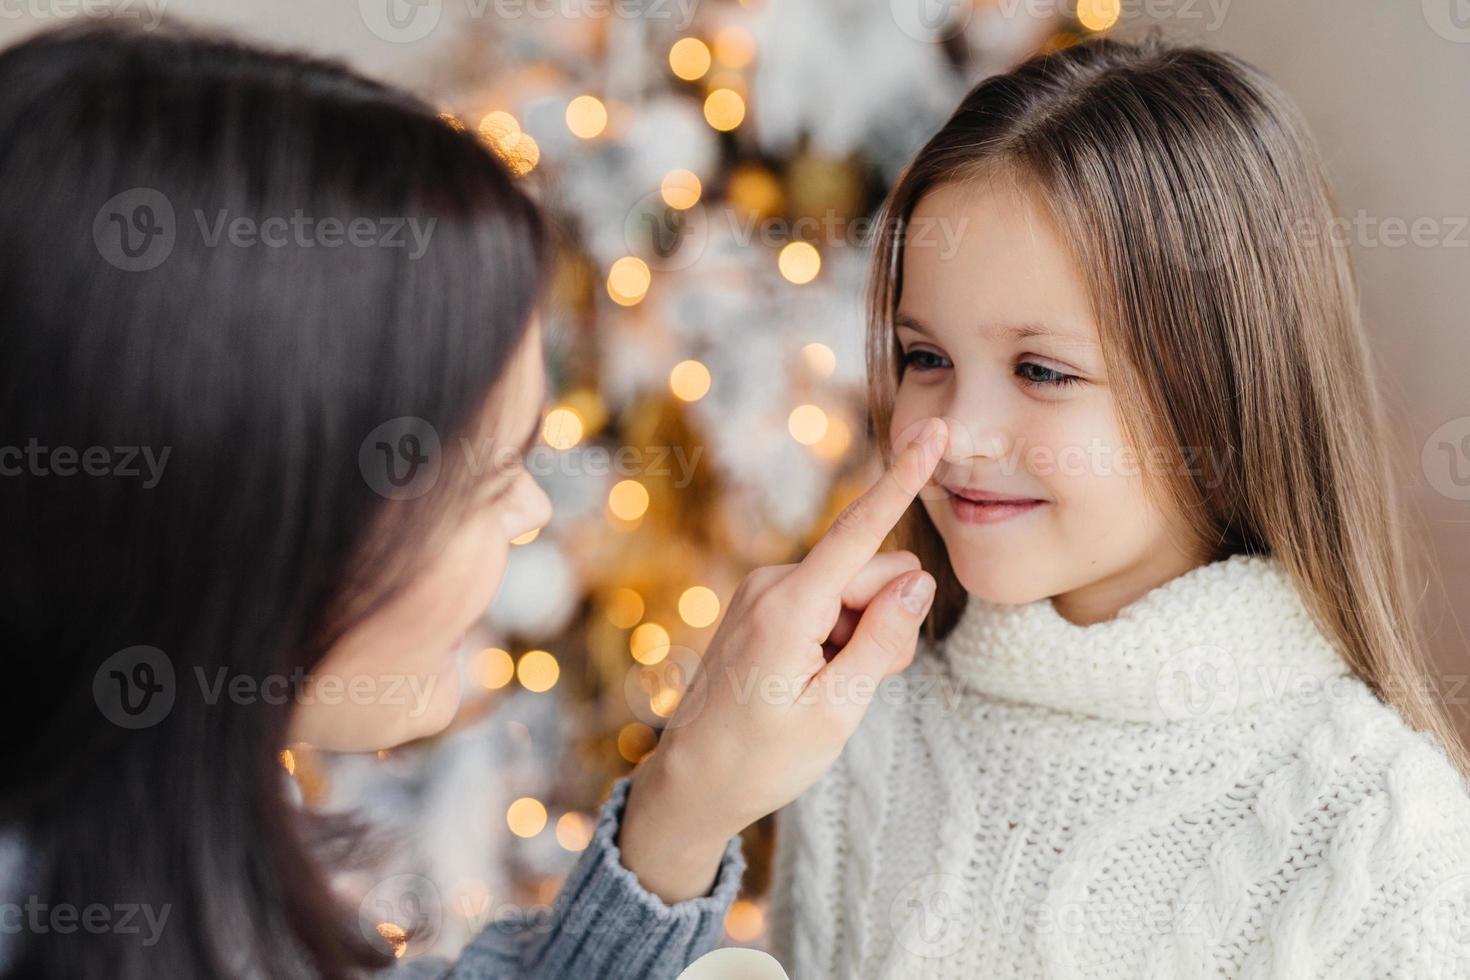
(649, 644)
(724, 109)
(526, 817)
(820, 358)
(689, 381)
(396, 937)
(537, 671)
(586, 116)
(799, 262)
(734, 47)
(754, 189)
(689, 58)
(835, 441)
(499, 129)
(1098, 15)
(807, 424)
(624, 608)
(494, 668)
(523, 155)
(680, 189)
(573, 831)
(745, 921)
(635, 740)
(628, 280)
(699, 606)
(628, 500)
(562, 428)
(665, 702)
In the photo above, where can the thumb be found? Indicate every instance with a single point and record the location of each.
(884, 640)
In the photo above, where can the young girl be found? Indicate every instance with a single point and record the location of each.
(1170, 720)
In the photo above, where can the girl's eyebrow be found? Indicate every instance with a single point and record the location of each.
(1020, 331)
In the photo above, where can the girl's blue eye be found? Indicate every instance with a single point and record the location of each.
(1032, 373)
(923, 360)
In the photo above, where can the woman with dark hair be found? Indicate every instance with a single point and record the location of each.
(229, 390)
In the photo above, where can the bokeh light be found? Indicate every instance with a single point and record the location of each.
(699, 606)
(689, 58)
(494, 668)
(624, 608)
(649, 644)
(628, 500)
(586, 116)
(681, 189)
(526, 817)
(799, 262)
(807, 424)
(724, 109)
(537, 671)
(689, 381)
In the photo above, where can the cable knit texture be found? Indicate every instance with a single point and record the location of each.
(1199, 787)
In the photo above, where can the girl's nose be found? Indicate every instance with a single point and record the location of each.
(978, 427)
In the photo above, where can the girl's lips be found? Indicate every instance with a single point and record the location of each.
(992, 510)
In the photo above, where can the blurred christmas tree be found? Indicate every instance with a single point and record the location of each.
(711, 173)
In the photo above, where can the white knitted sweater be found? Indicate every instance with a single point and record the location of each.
(1197, 788)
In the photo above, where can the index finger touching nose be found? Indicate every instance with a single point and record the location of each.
(858, 532)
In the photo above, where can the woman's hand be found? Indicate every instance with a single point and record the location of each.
(783, 685)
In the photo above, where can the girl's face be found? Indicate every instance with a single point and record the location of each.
(403, 657)
(1039, 494)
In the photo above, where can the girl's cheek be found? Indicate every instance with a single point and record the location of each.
(909, 408)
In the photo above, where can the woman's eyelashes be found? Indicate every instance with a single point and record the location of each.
(1029, 372)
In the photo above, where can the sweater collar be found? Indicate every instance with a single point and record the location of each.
(1220, 638)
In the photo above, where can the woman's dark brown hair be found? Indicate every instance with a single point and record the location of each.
(260, 367)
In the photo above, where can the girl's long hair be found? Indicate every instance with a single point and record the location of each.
(1192, 193)
(260, 364)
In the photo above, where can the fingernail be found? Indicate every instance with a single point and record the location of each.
(916, 593)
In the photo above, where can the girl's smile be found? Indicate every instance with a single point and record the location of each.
(976, 506)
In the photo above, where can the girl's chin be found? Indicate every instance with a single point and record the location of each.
(1000, 584)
